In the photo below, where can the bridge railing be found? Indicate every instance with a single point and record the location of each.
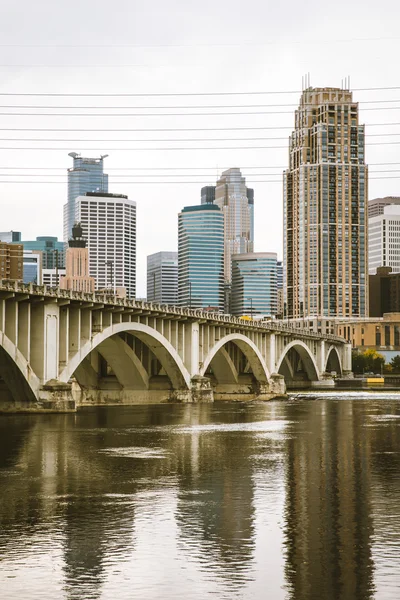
(157, 309)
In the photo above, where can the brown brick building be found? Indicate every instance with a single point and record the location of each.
(11, 261)
(384, 292)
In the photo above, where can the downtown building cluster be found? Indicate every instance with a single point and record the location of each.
(341, 258)
(216, 268)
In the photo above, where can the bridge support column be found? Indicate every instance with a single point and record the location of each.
(272, 353)
(321, 358)
(56, 397)
(200, 392)
(346, 361)
(192, 331)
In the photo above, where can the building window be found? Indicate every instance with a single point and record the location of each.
(387, 335)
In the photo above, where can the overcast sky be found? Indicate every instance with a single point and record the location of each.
(182, 47)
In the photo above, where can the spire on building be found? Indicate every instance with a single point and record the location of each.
(77, 240)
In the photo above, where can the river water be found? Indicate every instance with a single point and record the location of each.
(296, 500)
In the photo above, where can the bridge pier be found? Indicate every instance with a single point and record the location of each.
(55, 396)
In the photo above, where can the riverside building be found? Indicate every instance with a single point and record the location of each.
(201, 257)
(109, 225)
(86, 175)
(254, 284)
(162, 278)
(384, 240)
(325, 206)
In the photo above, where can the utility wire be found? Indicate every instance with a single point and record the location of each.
(153, 129)
(220, 168)
(165, 182)
(191, 106)
(144, 149)
(242, 139)
(183, 94)
(192, 114)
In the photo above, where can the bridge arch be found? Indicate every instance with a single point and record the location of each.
(333, 361)
(249, 349)
(22, 383)
(306, 356)
(156, 342)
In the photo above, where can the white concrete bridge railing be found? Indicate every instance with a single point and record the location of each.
(60, 349)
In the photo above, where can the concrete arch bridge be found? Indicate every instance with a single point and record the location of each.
(62, 349)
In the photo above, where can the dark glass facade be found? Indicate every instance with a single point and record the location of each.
(201, 257)
(86, 175)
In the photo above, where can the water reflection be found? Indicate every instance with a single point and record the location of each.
(294, 500)
(328, 512)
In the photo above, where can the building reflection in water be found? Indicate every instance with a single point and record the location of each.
(328, 513)
(290, 500)
(215, 510)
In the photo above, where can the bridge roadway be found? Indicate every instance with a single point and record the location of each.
(60, 350)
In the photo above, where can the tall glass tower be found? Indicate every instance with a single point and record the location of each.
(325, 206)
(86, 175)
(254, 284)
(201, 257)
(237, 203)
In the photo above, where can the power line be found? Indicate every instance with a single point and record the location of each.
(182, 94)
(162, 175)
(191, 114)
(170, 129)
(189, 106)
(164, 182)
(210, 168)
(144, 149)
(242, 139)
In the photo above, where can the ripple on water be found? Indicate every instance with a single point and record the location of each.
(136, 452)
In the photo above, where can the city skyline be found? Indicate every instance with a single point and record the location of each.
(254, 65)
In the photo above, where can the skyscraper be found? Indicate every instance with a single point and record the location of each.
(77, 276)
(325, 205)
(254, 284)
(201, 257)
(237, 204)
(109, 225)
(377, 205)
(384, 240)
(86, 175)
(162, 277)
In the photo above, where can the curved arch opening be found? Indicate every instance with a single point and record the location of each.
(128, 359)
(298, 366)
(15, 390)
(333, 364)
(236, 368)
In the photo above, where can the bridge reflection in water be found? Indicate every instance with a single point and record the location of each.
(61, 349)
(295, 500)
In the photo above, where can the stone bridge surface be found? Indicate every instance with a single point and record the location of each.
(61, 349)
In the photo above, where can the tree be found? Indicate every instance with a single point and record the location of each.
(368, 361)
(395, 364)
